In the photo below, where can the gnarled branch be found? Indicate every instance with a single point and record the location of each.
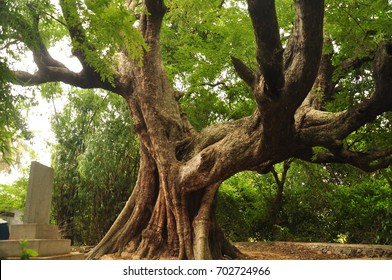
(381, 99)
(303, 52)
(322, 128)
(76, 31)
(269, 48)
(51, 70)
(213, 148)
(367, 161)
(329, 75)
(60, 74)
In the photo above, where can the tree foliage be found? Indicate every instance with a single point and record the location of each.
(320, 204)
(13, 125)
(13, 196)
(197, 48)
(95, 162)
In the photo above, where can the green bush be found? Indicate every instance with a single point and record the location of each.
(332, 203)
(13, 197)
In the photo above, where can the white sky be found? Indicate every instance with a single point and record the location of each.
(39, 124)
(38, 117)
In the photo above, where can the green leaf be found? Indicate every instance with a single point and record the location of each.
(31, 253)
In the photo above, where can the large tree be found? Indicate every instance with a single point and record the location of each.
(171, 211)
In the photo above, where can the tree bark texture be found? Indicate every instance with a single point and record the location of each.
(171, 212)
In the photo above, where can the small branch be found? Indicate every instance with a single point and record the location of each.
(387, 177)
(324, 85)
(33, 7)
(60, 74)
(353, 63)
(379, 102)
(355, 20)
(245, 73)
(215, 84)
(286, 167)
(9, 43)
(276, 176)
(280, 183)
(221, 4)
(49, 69)
(328, 77)
(369, 161)
(133, 4)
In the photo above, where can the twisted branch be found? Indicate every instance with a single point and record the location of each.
(269, 52)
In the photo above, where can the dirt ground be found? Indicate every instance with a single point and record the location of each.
(281, 251)
(304, 251)
(312, 251)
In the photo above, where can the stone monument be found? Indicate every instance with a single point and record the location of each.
(39, 194)
(40, 235)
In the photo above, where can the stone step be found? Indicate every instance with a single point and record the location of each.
(44, 247)
(34, 231)
(72, 256)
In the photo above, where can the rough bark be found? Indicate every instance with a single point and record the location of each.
(173, 217)
(171, 212)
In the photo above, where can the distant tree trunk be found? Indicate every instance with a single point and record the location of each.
(387, 177)
(277, 204)
(65, 213)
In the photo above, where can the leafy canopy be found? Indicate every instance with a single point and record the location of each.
(107, 26)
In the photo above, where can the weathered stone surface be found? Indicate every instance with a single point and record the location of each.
(34, 231)
(39, 194)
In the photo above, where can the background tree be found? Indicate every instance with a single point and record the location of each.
(13, 197)
(96, 162)
(118, 43)
(321, 203)
(13, 125)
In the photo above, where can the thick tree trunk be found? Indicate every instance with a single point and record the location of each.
(158, 221)
(171, 212)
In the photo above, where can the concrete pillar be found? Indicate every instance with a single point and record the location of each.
(39, 194)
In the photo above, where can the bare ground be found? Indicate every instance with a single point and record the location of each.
(302, 251)
(312, 251)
